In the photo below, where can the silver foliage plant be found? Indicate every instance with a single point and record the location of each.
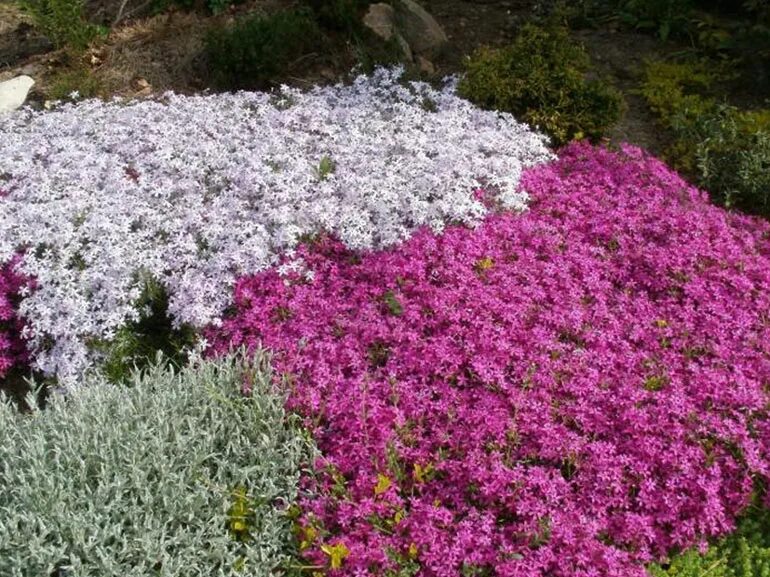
(196, 191)
(139, 480)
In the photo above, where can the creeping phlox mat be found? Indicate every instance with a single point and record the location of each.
(194, 191)
(571, 392)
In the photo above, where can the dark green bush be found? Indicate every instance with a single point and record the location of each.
(341, 15)
(733, 161)
(664, 17)
(211, 6)
(343, 20)
(62, 21)
(137, 344)
(726, 150)
(541, 78)
(746, 553)
(257, 50)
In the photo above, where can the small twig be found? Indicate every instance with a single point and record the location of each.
(120, 13)
(301, 80)
(714, 565)
(130, 13)
(301, 58)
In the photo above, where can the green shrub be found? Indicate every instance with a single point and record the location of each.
(174, 474)
(62, 21)
(541, 78)
(341, 15)
(343, 20)
(725, 149)
(258, 49)
(663, 17)
(733, 161)
(746, 553)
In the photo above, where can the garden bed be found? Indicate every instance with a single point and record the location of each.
(370, 328)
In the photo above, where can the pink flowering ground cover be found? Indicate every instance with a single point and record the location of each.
(570, 392)
(13, 352)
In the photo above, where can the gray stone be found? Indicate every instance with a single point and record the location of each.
(420, 30)
(380, 18)
(14, 92)
(425, 65)
(18, 38)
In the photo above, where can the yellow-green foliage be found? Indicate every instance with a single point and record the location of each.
(673, 89)
(726, 149)
(743, 554)
(541, 78)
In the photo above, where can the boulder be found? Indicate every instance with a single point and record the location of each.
(14, 92)
(420, 30)
(425, 65)
(18, 38)
(380, 18)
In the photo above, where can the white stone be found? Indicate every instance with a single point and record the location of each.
(14, 92)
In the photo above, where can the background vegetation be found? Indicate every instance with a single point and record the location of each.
(541, 78)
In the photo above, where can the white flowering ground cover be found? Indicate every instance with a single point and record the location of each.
(196, 191)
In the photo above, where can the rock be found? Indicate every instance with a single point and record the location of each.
(14, 92)
(425, 65)
(420, 30)
(31, 69)
(405, 48)
(380, 18)
(142, 87)
(18, 38)
(416, 31)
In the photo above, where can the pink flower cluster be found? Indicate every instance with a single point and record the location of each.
(571, 392)
(13, 353)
